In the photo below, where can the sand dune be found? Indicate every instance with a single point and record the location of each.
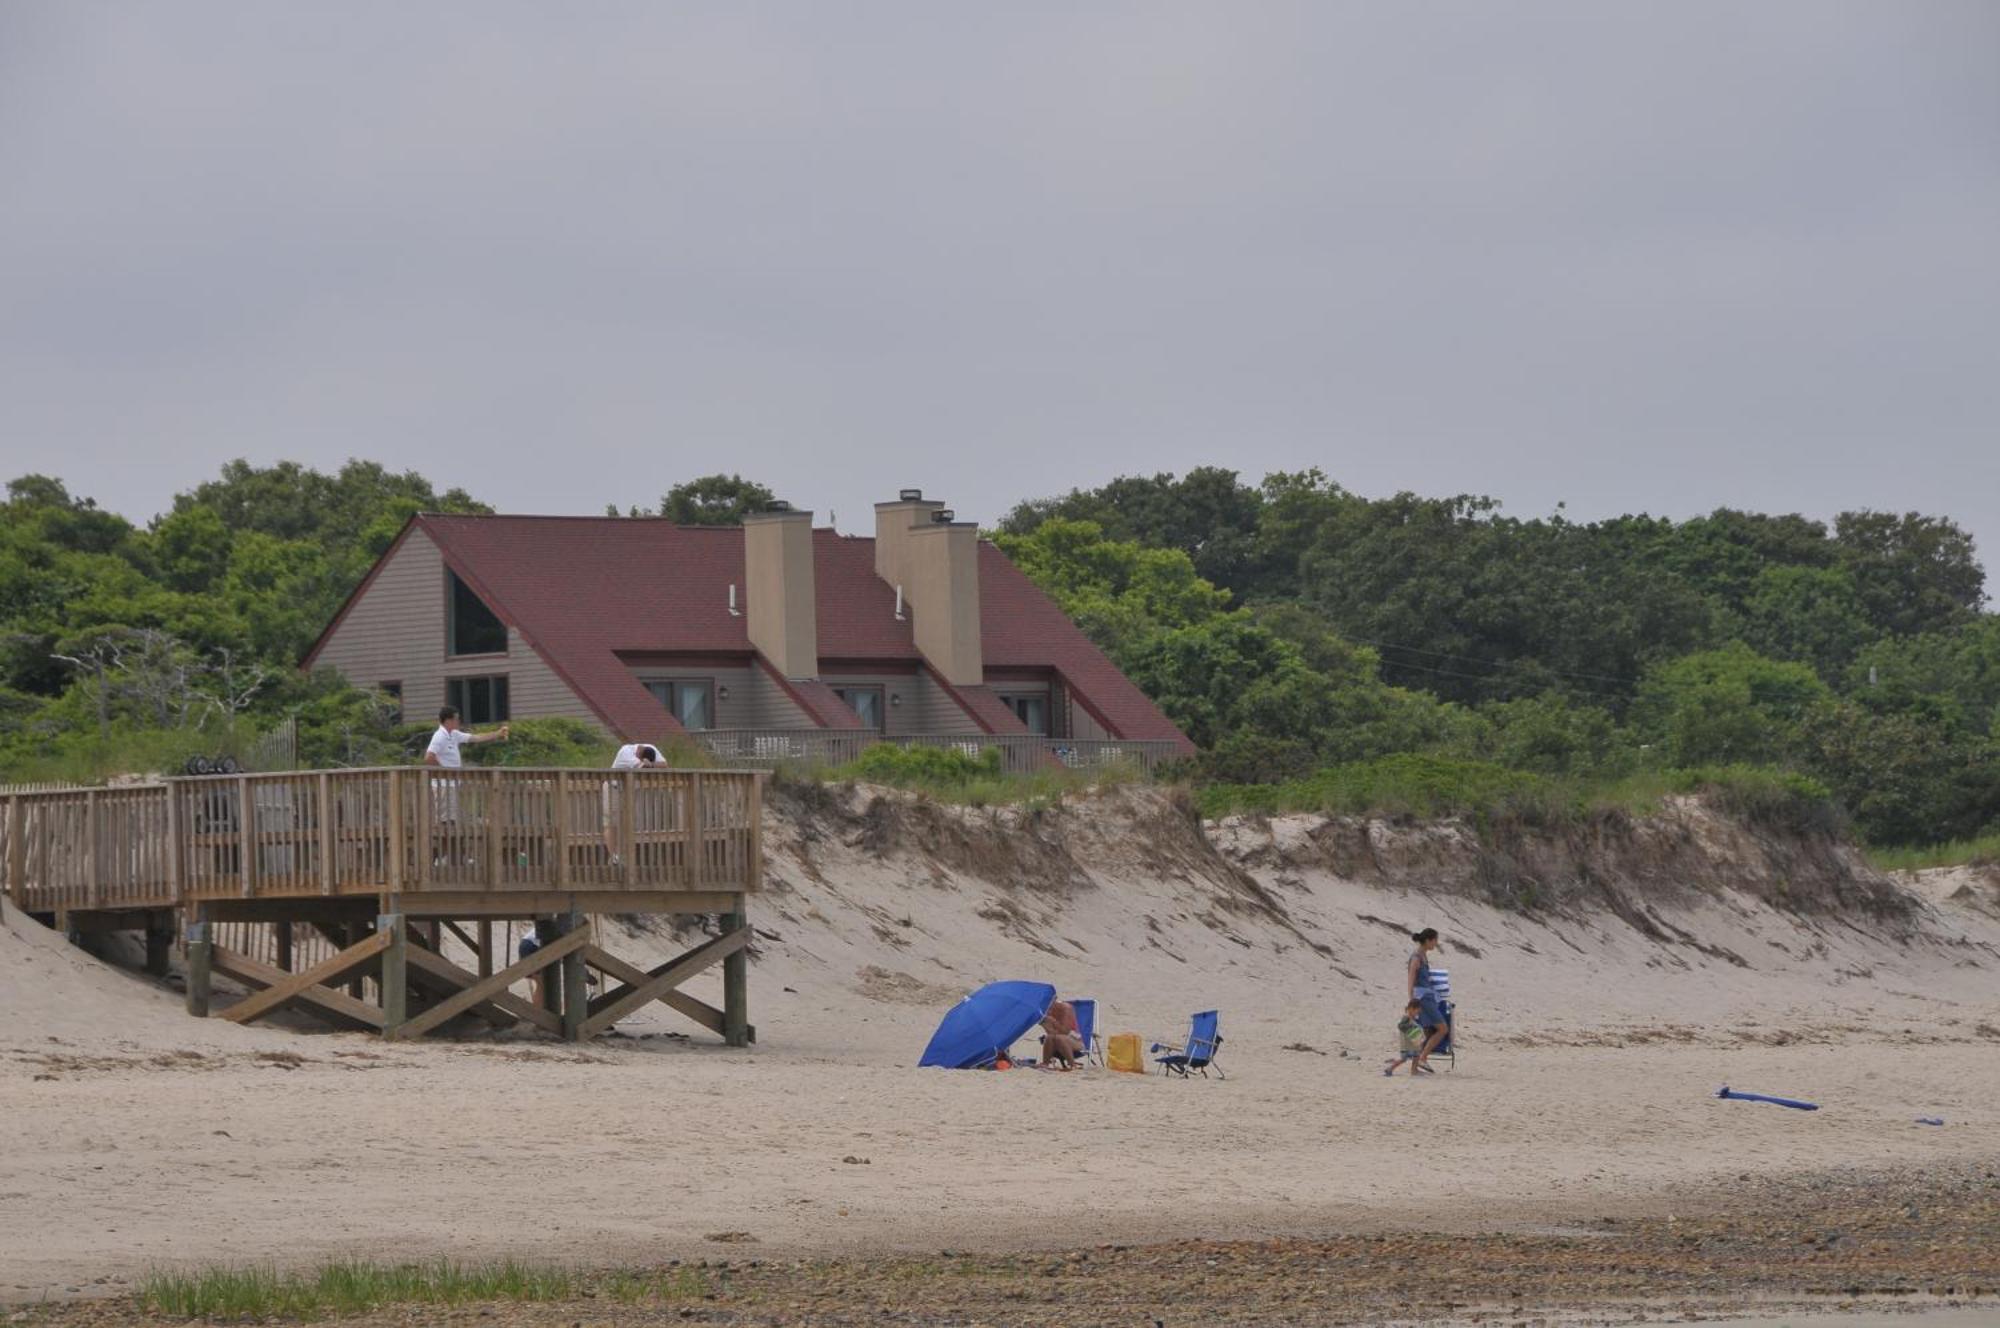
(1595, 1031)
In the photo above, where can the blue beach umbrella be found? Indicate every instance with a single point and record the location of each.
(984, 1024)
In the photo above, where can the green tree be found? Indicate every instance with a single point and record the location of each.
(1726, 706)
(714, 500)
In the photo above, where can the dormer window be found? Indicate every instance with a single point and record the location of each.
(473, 629)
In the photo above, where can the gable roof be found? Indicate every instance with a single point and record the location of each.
(584, 590)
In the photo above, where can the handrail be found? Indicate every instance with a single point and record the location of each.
(380, 829)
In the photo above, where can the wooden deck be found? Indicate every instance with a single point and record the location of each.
(360, 855)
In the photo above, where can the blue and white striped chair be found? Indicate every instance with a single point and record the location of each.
(1441, 988)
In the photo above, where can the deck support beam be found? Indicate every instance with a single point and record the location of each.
(200, 958)
(395, 971)
(575, 987)
(736, 978)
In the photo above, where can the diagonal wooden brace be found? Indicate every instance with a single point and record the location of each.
(280, 993)
(487, 988)
(612, 1006)
(502, 1008)
(338, 1006)
(632, 975)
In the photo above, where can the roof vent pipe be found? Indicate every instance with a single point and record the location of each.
(734, 612)
(899, 604)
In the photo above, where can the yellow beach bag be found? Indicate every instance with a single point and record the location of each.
(1122, 1053)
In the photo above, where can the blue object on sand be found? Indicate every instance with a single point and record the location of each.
(1727, 1092)
(979, 1028)
(1930, 1120)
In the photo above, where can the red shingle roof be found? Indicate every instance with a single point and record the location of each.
(583, 589)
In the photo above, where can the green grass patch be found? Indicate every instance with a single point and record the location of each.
(1979, 852)
(952, 775)
(351, 1288)
(1430, 787)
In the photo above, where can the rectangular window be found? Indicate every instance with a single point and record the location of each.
(1033, 711)
(688, 700)
(394, 691)
(473, 629)
(479, 700)
(866, 702)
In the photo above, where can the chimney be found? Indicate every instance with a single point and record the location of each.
(778, 583)
(941, 567)
(893, 524)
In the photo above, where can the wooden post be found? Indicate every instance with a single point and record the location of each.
(628, 835)
(562, 829)
(736, 980)
(690, 833)
(17, 852)
(159, 941)
(754, 869)
(575, 992)
(395, 973)
(246, 828)
(486, 948)
(394, 855)
(492, 846)
(200, 951)
(326, 863)
(697, 863)
(93, 880)
(173, 849)
(284, 930)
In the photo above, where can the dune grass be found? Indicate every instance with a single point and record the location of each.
(949, 775)
(1428, 787)
(1958, 853)
(354, 1287)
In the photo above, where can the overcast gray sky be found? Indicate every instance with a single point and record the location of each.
(1656, 258)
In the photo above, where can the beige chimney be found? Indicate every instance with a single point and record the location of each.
(778, 576)
(942, 585)
(893, 525)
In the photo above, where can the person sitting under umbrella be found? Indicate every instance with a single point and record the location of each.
(1062, 1040)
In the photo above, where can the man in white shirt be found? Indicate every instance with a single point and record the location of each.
(632, 756)
(443, 753)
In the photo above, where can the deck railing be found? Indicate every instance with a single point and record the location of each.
(364, 832)
(1019, 753)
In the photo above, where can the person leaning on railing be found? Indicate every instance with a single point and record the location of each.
(632, 756)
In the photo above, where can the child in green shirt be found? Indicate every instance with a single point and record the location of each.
(1410, 1036)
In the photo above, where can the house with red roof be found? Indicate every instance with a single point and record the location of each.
(765, 641)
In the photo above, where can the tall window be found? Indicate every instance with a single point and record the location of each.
(688, 700)
(479, 700)
(1033, 711)
(865, 702)
(474, 629)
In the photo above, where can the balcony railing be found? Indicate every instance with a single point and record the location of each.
(1019, 754)
(377, 831)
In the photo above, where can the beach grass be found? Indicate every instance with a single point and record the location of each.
(352, 1287)
(1958, 853)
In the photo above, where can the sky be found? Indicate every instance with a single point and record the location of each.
(1632, 257)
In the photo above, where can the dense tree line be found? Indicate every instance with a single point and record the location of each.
(1292, 625)
(1288, 627)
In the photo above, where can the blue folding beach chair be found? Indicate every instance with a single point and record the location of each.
(1086, 1030)
(1441, 988)
(1197, 1053)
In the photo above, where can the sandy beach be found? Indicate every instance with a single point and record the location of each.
(141, 1139)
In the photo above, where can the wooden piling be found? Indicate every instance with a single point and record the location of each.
(736, 980)
(575, 991)
(200, 955)
(395, 973)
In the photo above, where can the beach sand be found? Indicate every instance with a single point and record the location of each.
(140, 1139)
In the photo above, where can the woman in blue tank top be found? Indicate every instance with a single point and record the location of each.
(1418, 989)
